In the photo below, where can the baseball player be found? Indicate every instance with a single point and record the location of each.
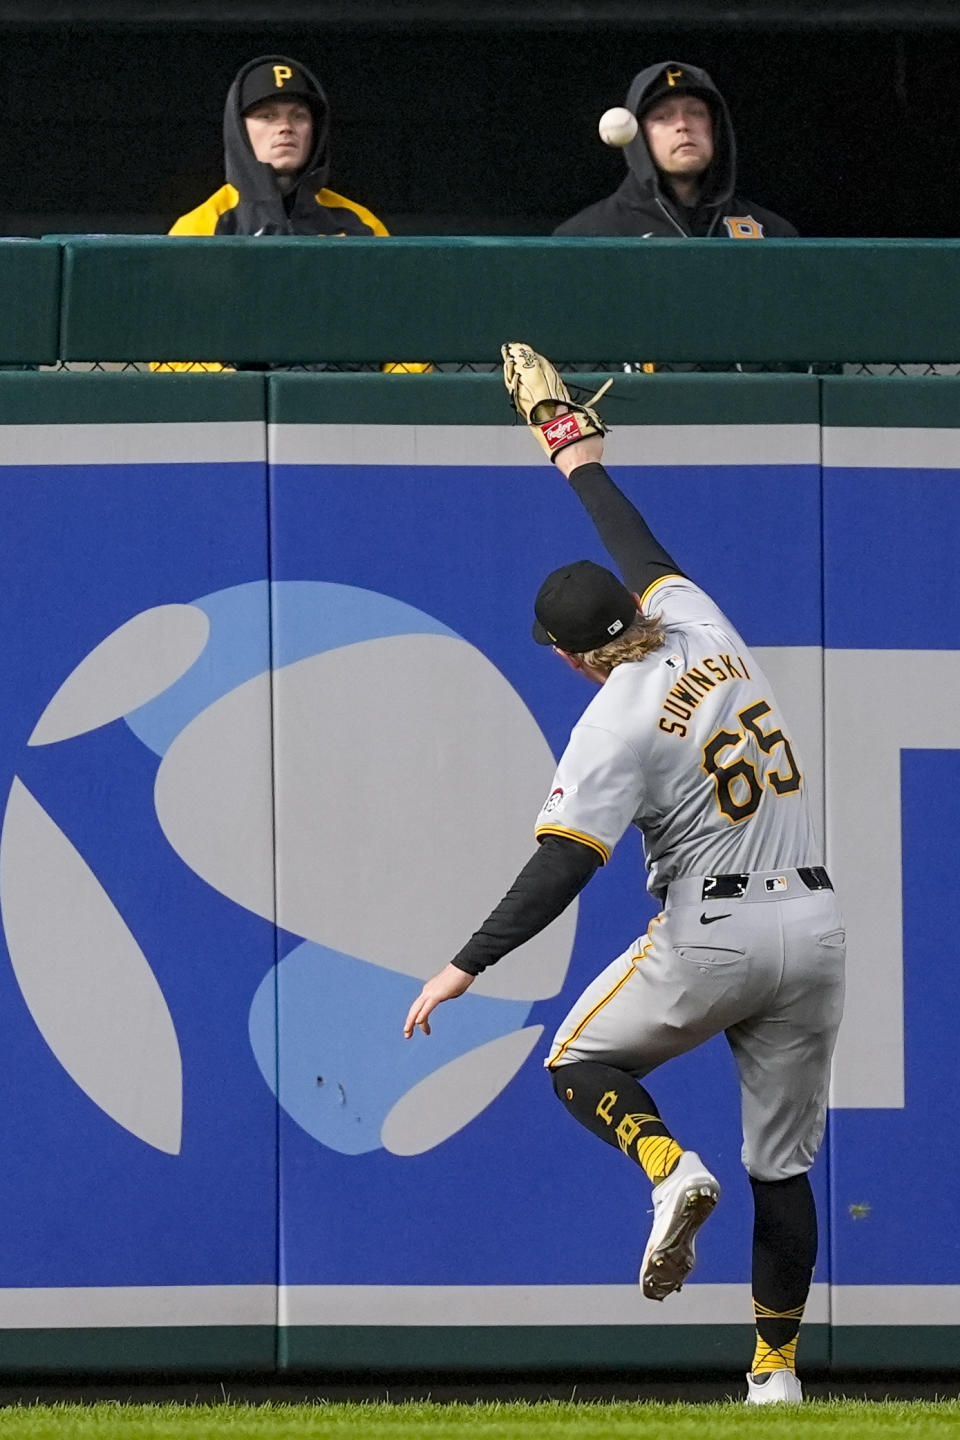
(684, 740)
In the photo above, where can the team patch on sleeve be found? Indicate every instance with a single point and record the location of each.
(555, 799)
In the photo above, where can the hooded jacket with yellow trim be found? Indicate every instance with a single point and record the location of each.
(216, 216)
(251, 202)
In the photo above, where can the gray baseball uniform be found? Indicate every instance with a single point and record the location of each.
(688, 745)
(684, 740)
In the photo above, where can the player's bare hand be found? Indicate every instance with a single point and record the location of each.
(447, 984)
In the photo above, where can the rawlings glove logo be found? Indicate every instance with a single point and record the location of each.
(561, 431)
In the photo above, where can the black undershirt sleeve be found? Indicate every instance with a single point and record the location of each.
(548, 882)
(638, 555)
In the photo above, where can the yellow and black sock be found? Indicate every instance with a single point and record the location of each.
(784, 1254)
(777, 1333)
(613, 1105)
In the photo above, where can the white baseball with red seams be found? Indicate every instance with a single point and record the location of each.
(618, 126)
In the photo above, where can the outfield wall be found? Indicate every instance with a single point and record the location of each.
(234, 300)
(275, 736)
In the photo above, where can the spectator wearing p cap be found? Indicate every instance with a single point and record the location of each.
(681, 167)
(276, 125)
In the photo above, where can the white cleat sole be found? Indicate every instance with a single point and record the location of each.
(669, 1264)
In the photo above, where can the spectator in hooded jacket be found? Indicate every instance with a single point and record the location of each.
(276, 125)
(276, 150)
(681, 167)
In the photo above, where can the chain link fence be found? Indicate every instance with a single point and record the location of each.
(481, 367)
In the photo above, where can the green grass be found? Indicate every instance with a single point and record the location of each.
(550, 1420)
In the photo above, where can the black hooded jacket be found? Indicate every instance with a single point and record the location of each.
(251, 203)
(645, 206)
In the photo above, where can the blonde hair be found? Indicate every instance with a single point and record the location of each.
(642, 636)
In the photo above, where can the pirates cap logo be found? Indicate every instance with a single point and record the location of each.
(281, 74)
(673, 77)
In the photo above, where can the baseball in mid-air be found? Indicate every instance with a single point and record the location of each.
(617, 126)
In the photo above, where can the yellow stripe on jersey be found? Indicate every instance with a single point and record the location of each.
(663, 580)
(587, 1018)
(644, 950)
(598, 845)
(605, 1000)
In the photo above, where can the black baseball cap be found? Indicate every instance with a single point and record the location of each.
(674, 79)
(276, 80)
(581, 607)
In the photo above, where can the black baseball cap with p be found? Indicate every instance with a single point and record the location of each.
(580, 607)
(675, 78)
(276, 79)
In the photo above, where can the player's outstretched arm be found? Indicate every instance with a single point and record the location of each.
(546, 885)
(625, 535)
(572, 437)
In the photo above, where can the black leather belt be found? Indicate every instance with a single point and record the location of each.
(731, 887)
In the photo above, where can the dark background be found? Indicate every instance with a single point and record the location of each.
(481, 117)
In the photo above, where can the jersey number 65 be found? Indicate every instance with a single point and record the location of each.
(739, 784)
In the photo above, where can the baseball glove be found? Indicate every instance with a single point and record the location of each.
(536, 392)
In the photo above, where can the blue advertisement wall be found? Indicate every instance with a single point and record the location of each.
(276, 736)
(139, 1144)
(892, 602)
